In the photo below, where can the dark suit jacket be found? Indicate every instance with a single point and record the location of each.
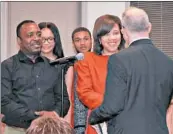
(139, 88)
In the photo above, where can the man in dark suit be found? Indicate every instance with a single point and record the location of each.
(139, 83)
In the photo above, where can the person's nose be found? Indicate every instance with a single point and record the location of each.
(111, 37)
(82, 41)
(45, 43)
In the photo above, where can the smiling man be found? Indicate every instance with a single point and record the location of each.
(30, 87)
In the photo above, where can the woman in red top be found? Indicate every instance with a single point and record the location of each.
(91, 72)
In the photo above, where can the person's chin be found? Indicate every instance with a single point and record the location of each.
(46, 50)
(36, 51)
(83, 50)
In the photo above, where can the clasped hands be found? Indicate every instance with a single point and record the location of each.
(47, 113)
(51, 114)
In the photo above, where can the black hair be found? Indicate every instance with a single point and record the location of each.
(20, 25)
(102, 26)
(58, 51)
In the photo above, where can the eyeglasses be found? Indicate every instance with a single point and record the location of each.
(49, 40)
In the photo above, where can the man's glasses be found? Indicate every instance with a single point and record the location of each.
(49, 40)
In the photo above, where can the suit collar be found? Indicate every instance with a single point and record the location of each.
(141, 42)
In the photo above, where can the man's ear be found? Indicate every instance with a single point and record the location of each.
(19, 41)
(74, 47)
(73, 42)
(149, 28)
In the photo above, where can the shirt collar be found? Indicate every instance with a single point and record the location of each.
(24, 58)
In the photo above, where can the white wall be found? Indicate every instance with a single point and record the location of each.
(4, 31)
(63, 14)
(66, 15)
(92, 10)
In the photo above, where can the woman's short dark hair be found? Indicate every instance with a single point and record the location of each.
(102, 26)
(58, 51)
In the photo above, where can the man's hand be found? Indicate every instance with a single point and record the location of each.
(47, 113)
(172, 102)
(169, 118)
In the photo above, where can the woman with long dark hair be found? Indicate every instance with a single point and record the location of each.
(52, 49)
